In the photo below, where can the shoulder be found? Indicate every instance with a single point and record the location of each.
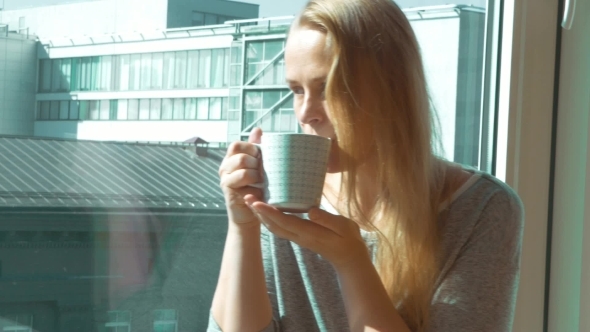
(488, 210)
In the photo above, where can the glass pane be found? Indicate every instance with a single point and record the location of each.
(122, 109)
(157, 70)
(45, 75)
(178, 109)
(106, 71)
(191, 109)
(158, 109)
(54, 110)
(180, 72)
(202, 108)
(167, 109)
(144, 109)
(168, 70)
(44, 112)
(193, 70)
(272, 49)
(124, 72)
(215, 109)
(133, 110)
(94, 110)
(66, 71)
(135, 72)
(255, 51)
(56, 76)
(105, 109)
(146, 71)
(64, 110)
(217, 70)
(270, 98)
(84, 110)
(75, 79)
(74, 110)
(226, 67)
(204, 69)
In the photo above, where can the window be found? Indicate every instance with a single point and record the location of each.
(45, 75)
(118, 321)
(17, 323)
(64, 110)
(165, 320)
(117, 215)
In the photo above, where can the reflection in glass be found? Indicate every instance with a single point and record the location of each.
(202, 108)
(167, 106)
(54, 111)
(133, 109)
(45, 75)
(159, 109)
(215, 109)
(124, 72)
(122, 109)
(191, 109)
(64, 110)
(134, 71)
(204, 69)
(74, 110)
(168, 70)
(84, 110)
(94, 110)
(178, 109)
(193, 70)
(157, 70)
(180, 72)
(146, 71)
(144, 109)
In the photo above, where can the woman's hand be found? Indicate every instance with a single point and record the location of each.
(240, 169)
(337, 239)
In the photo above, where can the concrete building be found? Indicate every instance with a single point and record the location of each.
(96, 17)
(108, 236)
(18, 76)
(220, 81)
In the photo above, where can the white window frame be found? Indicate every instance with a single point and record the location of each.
(541, 175)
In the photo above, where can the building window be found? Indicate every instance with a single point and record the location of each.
(17, 323)
(118, 321)
(208, 108)
(165, 320)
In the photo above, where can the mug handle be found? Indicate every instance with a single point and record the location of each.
(257, 185)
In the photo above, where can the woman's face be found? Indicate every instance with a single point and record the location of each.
(307, 63)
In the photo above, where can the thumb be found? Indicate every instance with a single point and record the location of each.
(255, 135)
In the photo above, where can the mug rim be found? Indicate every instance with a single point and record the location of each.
(295, 134)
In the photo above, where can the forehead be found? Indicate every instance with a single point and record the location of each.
(305, 44)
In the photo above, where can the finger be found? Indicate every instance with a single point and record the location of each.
(276, 229)
(291, 223)
(238, 161)
(240, 178)
(251, 199)
(242, 147)
(337, 224)
(255, 135)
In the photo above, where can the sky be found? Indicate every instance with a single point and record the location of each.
(268, 8)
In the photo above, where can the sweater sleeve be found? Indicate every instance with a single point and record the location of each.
(268, 264)
(477, 292)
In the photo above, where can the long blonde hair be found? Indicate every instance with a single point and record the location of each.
(377, 97)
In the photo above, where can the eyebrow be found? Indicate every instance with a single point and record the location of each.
(315, 79)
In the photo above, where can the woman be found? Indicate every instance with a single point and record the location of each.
(404, 241)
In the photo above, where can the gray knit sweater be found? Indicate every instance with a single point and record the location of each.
(476, 288)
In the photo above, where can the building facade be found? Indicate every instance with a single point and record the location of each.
(218, 82)
(98, 17)
(18, 76)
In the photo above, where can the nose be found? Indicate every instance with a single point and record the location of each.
(311, 110)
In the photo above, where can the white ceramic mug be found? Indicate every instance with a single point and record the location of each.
(294, 169)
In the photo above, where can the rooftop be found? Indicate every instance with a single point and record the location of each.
(36, 172)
